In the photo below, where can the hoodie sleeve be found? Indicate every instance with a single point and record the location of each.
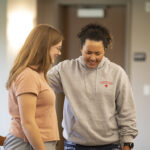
(126, 111)
(54, 79)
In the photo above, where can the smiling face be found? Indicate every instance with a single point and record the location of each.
(92, 52)
(55, 51)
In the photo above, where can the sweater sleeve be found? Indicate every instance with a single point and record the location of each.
(54, 79)
(26, 82)
(126, 111)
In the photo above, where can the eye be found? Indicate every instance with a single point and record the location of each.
(59, 48)
(89, 52)
(97, 53)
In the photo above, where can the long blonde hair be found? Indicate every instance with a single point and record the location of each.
(35, 51)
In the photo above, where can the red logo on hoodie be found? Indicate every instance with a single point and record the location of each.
(106, 83)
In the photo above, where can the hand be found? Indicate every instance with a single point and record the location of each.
(126, 148)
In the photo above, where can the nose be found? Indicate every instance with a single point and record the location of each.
(59, 53)
(92, 57)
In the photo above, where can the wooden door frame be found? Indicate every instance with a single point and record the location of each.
(126, 3)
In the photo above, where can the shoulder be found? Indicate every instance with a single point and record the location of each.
(66, 64)
(28, 81)
(27, 75)
(120, 73)
(27, 72)
(114, 68)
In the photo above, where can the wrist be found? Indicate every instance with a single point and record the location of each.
(129, 144)
(125, 148)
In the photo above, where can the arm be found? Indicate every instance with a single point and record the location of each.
(27, 109)
(126, 111)
(54, 78)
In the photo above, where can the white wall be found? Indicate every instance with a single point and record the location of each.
(19, 30)
(4, 116)
(140, 71)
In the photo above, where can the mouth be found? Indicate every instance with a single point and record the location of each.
(92, 63)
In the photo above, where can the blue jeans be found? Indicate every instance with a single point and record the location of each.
(72, 146)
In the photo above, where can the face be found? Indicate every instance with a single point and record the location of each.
(55, 51)
(92, 52)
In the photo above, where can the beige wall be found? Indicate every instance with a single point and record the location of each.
(49, 12)
(140, 71)
(7, 55)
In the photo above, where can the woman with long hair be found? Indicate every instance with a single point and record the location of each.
(31, 100)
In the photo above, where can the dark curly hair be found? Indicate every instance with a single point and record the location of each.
(95, 32)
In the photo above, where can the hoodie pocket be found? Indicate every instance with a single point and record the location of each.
(102, 128)
(108, 127)
(95, 129)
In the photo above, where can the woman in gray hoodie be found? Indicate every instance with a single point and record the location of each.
(99, 110)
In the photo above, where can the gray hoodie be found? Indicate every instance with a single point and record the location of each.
(99, 107)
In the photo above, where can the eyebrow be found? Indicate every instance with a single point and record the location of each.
(93, 52)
